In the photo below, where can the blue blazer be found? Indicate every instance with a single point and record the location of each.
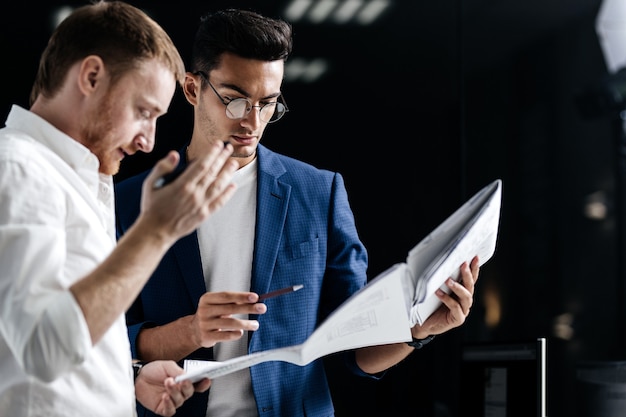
(305, 233)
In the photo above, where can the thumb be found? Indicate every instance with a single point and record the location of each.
(158, 175)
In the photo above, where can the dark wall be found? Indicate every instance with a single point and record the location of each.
(557, 272)
(418, 112)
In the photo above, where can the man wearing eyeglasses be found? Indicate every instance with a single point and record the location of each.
(289, 223)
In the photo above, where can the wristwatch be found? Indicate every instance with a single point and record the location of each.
(419, 343)
(137, 365)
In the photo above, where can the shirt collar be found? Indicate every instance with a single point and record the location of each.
(67, 148)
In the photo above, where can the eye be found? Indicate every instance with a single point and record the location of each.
(145, 114)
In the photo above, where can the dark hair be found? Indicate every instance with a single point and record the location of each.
(241, 32)
(120, 34)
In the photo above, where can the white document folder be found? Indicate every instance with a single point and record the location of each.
(384, 311)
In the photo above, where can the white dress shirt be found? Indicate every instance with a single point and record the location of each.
(56, 225)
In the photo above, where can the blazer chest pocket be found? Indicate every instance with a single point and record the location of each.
(301, 250)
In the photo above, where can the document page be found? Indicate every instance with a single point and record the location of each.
(471, 230)
(375, 315)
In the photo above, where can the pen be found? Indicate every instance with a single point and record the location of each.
(280, 292)
(169, 177)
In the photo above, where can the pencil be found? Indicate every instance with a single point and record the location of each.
(282, 291)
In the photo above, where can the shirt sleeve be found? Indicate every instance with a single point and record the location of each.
(40, 321)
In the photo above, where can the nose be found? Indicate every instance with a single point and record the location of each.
(145, 142)
(253, 118)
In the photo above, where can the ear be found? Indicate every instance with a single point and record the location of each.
(91, 74)
(191, 87)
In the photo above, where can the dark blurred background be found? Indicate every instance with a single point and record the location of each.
(419, 108)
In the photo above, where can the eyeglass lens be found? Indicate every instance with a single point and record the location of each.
(240, 107)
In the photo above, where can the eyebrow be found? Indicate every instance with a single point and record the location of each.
(245, 93)
(156, 108)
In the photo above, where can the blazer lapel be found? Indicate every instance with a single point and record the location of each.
(187, 255)
(272, 203)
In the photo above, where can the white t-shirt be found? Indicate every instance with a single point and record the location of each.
(56, 225)
(226, 241)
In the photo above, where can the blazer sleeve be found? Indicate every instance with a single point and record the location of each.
(346, 271)
(127, 206)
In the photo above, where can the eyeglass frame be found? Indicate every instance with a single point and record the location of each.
(224, 101)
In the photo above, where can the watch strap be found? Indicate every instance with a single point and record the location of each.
(420, 343)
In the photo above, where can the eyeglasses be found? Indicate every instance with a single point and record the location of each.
(239, 108)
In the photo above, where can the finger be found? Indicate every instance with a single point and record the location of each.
(217, 183)
(463, 295)
(219, 196)
(210, 311)
(210, 339)
(166, 406)
(202, 171)
(211, 305)
(460, 294)
(454, 307)
(228, 297)
(178, 393)
(467, 279)
(216, 164)
(161, 168)
(202, 385)
(475, 267)
(187, 389)
(221, 188)
(226, 323)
